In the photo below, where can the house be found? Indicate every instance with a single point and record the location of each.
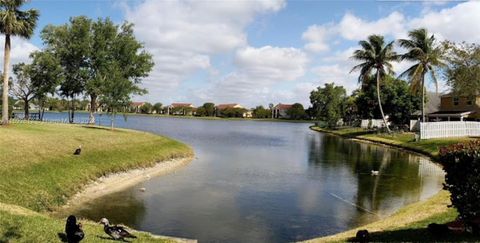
(281, 110)
(136, 106)
(457, 108)
(222, 107)
(181, 109)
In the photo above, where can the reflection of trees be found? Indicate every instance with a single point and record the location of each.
(121, 207)
(398, 183)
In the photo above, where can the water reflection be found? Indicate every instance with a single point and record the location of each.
(266, 182)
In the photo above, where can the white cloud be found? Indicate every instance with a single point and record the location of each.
(20, 52)
(317, 37)
(183, 34)
(459, 23)
(258, 70)
(352, 27)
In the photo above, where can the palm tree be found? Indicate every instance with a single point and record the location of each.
(13, 22)
(421, 49)
(376, 57)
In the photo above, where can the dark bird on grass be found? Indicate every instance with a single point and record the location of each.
(115, 231)
(78, 150)
(362, 236)
(73, 230)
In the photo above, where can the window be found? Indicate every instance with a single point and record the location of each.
(456, 101)
(470, 100)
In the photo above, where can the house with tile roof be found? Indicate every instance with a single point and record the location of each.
(281, 110)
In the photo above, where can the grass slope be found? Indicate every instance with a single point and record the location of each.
(409, 223)
(39, 171)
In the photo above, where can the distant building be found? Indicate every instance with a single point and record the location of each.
(221, 107)
(136, 106)
(281, 110)
(457, 108)
(183, 109)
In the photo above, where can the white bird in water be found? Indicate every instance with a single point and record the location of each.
(374, 172)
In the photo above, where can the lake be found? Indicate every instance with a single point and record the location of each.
(255, 181)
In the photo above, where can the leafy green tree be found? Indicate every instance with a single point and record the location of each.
(462, 69)
(427, 55)
(328, 103)
(296, 112)
(209, 109)
(376, 57)
(71, 44)
(23, 88)
(13, 22)
(146, 108)
(45, 74)
(351, 112)
(396, 98)
(201, 111)
(158, 107)
(261, 112)
(232, 112)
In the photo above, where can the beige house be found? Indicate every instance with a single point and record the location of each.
(457, 108)
(136, 106)
(219, 108)
(181, 109)
(281, 110)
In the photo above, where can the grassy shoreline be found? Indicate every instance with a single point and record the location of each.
(40, 173)
(201, 117)
(410, 222)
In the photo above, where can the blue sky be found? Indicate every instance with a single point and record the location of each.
(257, 52)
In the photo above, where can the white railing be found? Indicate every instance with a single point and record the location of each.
(449, 129)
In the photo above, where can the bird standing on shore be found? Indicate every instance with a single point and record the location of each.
(73, 230)
(115, 231)
(78, 150)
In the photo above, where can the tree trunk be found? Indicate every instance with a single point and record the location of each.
(423, 98)
(6, 65)
(72, 110)
(380, 102)
(112, 118)
(26, 109)
(93, 109)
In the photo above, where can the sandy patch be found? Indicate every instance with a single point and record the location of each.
(119, 181)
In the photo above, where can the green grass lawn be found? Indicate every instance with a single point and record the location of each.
(409, 223)
(39, 172)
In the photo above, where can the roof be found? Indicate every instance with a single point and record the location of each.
(281, 106)
(137, 103)
(451, 113)
(225, 106)
(181, 105)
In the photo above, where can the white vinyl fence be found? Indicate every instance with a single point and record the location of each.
(365, 123)
(414, 125)
(449, 129)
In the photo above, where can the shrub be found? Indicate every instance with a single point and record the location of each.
(461, 162)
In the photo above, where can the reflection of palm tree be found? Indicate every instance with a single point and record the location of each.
(385, 160)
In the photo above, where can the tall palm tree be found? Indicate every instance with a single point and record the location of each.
(13, 22)
(376, 57)
(427, 55)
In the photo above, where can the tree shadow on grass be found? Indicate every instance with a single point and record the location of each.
(103, 128)
(10, 234)
(418, 235)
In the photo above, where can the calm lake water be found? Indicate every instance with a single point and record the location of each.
(265, 182)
